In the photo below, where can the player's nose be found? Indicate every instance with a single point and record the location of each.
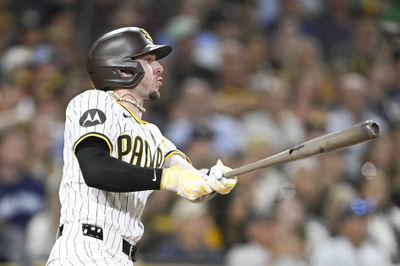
(158, 69)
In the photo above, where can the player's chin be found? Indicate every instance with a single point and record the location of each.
(154, 95)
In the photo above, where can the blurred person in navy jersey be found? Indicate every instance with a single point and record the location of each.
(21, 196)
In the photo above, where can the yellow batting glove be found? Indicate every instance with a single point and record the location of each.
(187, 183)
(217, 181)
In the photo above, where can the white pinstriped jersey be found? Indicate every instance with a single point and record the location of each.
(96, 113)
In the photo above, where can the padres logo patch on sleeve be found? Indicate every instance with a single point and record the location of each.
(92, 117)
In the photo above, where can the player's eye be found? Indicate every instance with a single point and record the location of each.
(149, 57)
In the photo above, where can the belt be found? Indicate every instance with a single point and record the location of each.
(97, 232)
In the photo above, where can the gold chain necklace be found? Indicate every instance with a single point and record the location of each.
(135, 103)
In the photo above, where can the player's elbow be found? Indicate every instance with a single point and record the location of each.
(91, 170)
(90, 178)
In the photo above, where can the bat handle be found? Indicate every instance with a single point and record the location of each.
(232, 173)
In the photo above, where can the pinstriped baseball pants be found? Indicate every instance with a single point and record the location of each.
(73, 248)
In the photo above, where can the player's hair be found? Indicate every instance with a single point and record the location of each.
(115, 52)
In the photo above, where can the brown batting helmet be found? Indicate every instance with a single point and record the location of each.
(116, 51)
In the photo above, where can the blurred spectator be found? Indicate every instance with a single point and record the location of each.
(353, 108)
(333, 27)
(234, 94)
(352, 246)
(21, 196)
(127, 13)
(60, 45)
(265, 186)
(384, 96)
(259, 242)
(268, 12)
(313, 91)
(44, 160)
(375, 191)
(194, 113)
(193, 224)
(338, 196)
(307, 182)
(358, 55)
(232, 214)
(332, 168)
(16, 106)
(273, 120)
(159, 223)
(380, 157)
(201, 148)
(47, 79)
(286, 40)
(181, 31)
(13, 58)
(254, 197)
(38, 240)
(309, 186)
(289, 215)
(289, 240)
(258, 55)
(8, 25)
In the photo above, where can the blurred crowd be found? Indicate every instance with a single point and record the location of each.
(246, 79)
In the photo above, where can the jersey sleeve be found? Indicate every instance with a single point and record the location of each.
(90, 114)
(171, 149)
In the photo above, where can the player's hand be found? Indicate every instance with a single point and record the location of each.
(187, 183)
(216, 180)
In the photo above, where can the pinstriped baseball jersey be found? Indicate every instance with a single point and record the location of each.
(96, 113)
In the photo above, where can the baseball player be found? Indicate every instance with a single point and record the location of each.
(113, 160)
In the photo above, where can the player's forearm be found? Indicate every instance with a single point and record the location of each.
(102, 171)
(177, 159)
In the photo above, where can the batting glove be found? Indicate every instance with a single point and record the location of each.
(187, 183)
(216, 180)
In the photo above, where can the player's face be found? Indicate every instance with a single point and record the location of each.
(152, 79)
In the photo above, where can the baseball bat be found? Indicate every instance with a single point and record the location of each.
(358, 133)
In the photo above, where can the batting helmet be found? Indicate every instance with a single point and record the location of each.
(116, 51)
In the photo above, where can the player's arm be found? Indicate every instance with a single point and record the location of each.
(102, 171)
(178, 158)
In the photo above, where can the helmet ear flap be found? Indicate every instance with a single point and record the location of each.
(137, 74)
(111, 71)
